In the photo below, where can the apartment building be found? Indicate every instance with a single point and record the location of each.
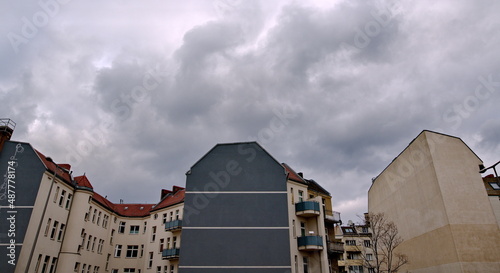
(241, 211)
(434, 193)
(492, 186)
(356, 241)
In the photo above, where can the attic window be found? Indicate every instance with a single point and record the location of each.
(495, 185)
(141, 208)
(126, 208)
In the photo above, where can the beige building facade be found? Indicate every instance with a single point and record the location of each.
(434, 193)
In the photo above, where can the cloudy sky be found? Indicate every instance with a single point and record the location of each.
(133, 93)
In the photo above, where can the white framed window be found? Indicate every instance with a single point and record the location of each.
(121, 227)
(132, 251)
(68, 200)
(54, 229)
(118, 250)
(61, 232)
(134, 229)
(47, 227)
(61, 198)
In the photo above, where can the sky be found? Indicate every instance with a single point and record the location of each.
(133, 93)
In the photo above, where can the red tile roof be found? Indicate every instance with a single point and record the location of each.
(292, 175)
(50, 165)
(177, 196)
(82, 181)
(133, 210)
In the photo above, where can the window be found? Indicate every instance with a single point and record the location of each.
(301, 196)
(77, 267)
(53, 265)
(350, 242)
(54, 228)
(107, 262)
(56, 194)
(121, 227)
(132, 251)
(364, 229)
(293, 229)
(495, 185)
(68, 201)
(348, 230)
(306, 267)
(142, 250)
(145, 226)
(83, 268)
(96, 269)
(99, 218)
(171, 216)
(369, 257)
(371, 270)
(176, 214)
(353, 256)
(89, 240)
(168, 243)
(134, 229)
(162, 241)
(150, 260)
(129, 270)
(302, 229)
(158, 269)
(99, 246)
(45, 264)
(164, 218)
(105, 221)
(367, 243)
(61, 198)
(356, 269)
(118, 250)
(174, 242)
(165, 269)
(172, 269)
(153, 234)
(114, 270)
(61, 232)
(111, 237)
(291, 194)
(94, 215)
(47, 227)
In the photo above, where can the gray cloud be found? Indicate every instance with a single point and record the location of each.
(337, 92)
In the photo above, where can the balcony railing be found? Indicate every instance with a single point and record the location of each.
(170, 254)
(173, 225)
(310, 243)
(335, 247)
(307, 208)
(332, 216)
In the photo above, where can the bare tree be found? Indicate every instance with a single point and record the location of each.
(385, 239)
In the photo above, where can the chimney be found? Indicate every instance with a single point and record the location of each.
(6, 129)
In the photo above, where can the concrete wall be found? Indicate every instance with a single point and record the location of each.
(236, 213)
(434, 194)
(27, 171)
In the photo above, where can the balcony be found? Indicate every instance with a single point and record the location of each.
(310, 243)
(307, 209)
(170, 254)
(335, 247)
(173, 225)
(332, 216)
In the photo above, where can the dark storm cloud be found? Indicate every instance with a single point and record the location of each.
(337, 92)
